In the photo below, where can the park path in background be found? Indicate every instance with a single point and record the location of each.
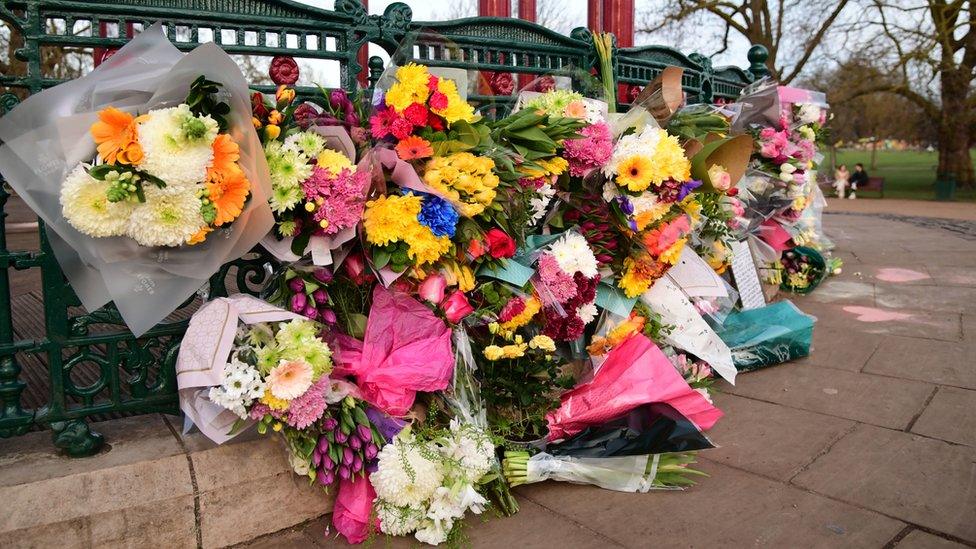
(869, 442)
(897, 206)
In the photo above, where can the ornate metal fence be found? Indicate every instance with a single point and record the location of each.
(61, 365)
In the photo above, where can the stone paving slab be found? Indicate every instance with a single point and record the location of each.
(770, 440)
(951, 299)
(951, 416)
(877, 400)
(921, 359)
(731, 509)
(915, 479)
(912, 323)
(918, 539)
(842, 349)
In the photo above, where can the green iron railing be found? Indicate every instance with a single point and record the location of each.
(81, 363)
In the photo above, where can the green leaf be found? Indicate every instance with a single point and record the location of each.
(299, 244)
(381, 258)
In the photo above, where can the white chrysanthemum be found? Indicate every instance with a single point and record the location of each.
(86, 207)
(574, 254)
(308, 143)
(405, 477)
(471, 449)
(644, 203)
(642, 143)
(177, 146)
(587, 313)
(398, 521)
(284, 198)
(168, 217)
(288, 167)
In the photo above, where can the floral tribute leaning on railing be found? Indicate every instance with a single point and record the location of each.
(462, 306)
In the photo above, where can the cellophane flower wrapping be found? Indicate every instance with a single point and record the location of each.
(635, 373)
(406, 349)
(353, 507)
(46, 137)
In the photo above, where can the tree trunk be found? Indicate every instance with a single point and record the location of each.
(954, 156)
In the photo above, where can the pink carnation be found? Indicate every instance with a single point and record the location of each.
(512, 309)
(590, 152)
(309, 407)
(343, 197)
(561, 284)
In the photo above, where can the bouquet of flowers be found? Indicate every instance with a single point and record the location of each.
(803, 269)
(147, 172)
(425, 482)
(164, 178)
(567, 279)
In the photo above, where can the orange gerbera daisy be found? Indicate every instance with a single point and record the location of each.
(115, 135)
(226, 154)
(199, 236)
(414, 147)
(228, 191)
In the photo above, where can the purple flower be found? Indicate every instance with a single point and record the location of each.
(354, 442)
(316, 458)
(687, 187)
(296, 285)
(357, 464)
(320, 296)
(323, 445)
(327, 462)
(347, 456)
(323, 274)
(327, 315)
(371, 451)
(330, 423)
(323, 477)
(386, 425)
(298, 303)
(310, 311)
(364, 433)
(341, 437)
(344, 473)
(626, 206)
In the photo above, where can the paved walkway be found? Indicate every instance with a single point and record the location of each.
(870, 442)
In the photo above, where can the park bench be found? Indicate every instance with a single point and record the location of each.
(874, 184)
(61, 365)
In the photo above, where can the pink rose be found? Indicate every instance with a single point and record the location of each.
(456, 307)
(766, 133)
(432, 289)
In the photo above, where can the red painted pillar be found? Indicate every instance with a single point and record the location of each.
(494, 8)
(618, 18)
(526, 12)
(594, 15)
(362, 57)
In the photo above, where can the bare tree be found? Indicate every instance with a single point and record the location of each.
(792, 30)
(931, 47)
(549, 13)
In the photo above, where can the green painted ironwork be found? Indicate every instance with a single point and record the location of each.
(136, 375)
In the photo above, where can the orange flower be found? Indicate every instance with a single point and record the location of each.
(115, 135)
(226, 154)
(200, 236)
(414, 147)
(228, 191)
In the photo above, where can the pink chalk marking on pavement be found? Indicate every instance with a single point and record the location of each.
(895, 274)
(870, 314)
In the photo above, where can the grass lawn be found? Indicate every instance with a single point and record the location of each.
(908, 174)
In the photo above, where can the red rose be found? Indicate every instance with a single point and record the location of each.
(500, 244)
(416, 114)
(456, 307)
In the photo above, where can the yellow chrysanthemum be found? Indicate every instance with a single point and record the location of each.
(411, 87)
(457, 108)
(334, 161)
(651, 215)
(670, 161)
(425, 247)
(273, 402)
(635, 173)
(388, 218)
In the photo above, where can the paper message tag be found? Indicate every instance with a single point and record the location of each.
(747, 276)
(696, 277)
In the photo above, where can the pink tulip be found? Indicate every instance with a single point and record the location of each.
(322, 274)
(320, 296)
(354, 265)
(456, 306)
(432, 289)
(344, 473)
(371, 451)
(296, 284)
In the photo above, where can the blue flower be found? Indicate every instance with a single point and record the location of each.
(687, 187)
(437, 214)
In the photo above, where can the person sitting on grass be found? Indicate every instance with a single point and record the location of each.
(859, 177)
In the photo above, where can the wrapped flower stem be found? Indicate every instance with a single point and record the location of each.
(624, 474)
